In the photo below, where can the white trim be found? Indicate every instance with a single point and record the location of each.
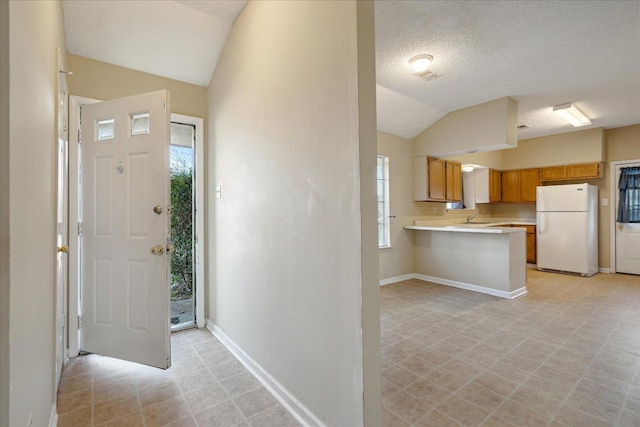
(198, 212)
(495, 292)
(289, 401)
(53, 418)
(74, 247)
(604, 270)
(395, 279)
(613, 195)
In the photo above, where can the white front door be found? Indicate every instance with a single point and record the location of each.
(627, 238)
(125, 226)
(62, 224)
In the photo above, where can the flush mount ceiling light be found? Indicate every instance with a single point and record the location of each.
(571, 114)
(467, 168)
(420, 63)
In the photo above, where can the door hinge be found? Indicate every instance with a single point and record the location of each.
(79, 136)
(78, 321)
(79, 229)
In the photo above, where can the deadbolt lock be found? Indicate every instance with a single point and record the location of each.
(157, 209)
(157, 250)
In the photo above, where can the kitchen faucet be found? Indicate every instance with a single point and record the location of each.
(470, 217)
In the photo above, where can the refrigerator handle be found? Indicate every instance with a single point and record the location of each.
(540, 225)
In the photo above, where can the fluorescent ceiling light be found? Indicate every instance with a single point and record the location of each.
(420, 63)
(571, 114)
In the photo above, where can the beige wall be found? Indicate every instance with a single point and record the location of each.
(399, 151)
(4, 213)
(295, 155)
(99, 80)
(27, 184)
(561, 149)
(484, 127)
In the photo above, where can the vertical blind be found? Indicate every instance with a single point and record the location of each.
(629, 201)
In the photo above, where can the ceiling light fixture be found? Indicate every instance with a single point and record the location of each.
(467, 168)
(571, 114)
(420, 63)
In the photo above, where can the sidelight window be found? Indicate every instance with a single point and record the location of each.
(384, 232)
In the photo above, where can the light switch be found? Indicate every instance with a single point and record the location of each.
(219, 191)
(605, 202)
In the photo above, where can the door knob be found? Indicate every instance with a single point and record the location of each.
(157, 209)
(63, 249)
(620, 226)
(157, 250)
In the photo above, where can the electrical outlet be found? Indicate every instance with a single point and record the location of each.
(395, 258)
(605, 202)
(219, 191)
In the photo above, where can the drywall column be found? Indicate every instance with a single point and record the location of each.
(293, 269)
(36, 31)
(4, 213)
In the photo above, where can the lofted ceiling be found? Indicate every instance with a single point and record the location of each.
(540, 53)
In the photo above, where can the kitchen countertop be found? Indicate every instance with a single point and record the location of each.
(479, 225)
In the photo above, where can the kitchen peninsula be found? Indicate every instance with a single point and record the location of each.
(488, 258)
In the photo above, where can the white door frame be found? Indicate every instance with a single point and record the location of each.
(613, 195)
(75, 102)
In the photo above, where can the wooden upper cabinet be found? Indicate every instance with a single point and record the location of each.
(454, 181)
(511, 186)
(554, 173)
(437, 179)
(495, 186)
(529, 180)
(588, 170)
(566, 172)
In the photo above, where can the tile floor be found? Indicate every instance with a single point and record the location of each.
(565, 354)
(206, 386)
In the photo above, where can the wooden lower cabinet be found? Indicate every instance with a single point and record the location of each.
(531, 248)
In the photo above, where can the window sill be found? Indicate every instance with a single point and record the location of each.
(382, 248)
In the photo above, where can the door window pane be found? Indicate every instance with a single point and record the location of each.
(140, 124)
(106, 129)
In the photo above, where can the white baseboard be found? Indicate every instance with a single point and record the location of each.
(293, 405)
(395, 279)
(495, 292)
(604, 270)
(53, 419)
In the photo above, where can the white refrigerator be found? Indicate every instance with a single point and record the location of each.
(567, 228)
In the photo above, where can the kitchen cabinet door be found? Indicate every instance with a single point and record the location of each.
(554, 173)
(511, 186)
(495, 186)
(531, 248)
(454, 181)
(529, 180)
(437, 179)
(588, 170)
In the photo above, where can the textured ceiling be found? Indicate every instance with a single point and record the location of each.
(541, 53)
